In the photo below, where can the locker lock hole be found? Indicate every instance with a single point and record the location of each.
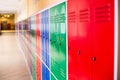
(54, 41)
(60, 44)
(78, 52)
(94, 58)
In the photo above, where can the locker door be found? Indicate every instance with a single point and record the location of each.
(103, 40)
(33, 66)
(72, 40)
(27, 36)
(43, 45)
(62, 40)
(58, 62)
(45, 55)
(47, 43)
(54, 37)
(33, 45)
(38, 65)
(30, 45)
(84, 40)
(52, 25)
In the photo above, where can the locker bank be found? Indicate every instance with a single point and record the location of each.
(69, 39)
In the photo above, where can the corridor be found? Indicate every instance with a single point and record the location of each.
(12, 64)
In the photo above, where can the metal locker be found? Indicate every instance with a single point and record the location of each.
(58, 63)
(27, 41)
(29, 26)
(38, 63)
(45, 69)
(33, 67)
(45, 44)
(84, 49)
(62, 39)
(73, 66)
(52, 39)
(103, 40)
(79, 40)
(33, 43)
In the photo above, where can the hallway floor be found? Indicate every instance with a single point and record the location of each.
(12, 63)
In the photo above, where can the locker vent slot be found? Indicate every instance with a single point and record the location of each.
(60, 18)
(103, 13)
(84, 15)
(71, 17)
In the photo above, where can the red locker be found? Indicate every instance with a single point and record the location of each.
(84, 40)
(103, 40)
(38, 63)
(72, 41)
(79, 40)
(90, 39)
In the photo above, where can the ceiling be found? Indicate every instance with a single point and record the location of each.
(9, 6)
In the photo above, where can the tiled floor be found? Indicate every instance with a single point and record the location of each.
(12, 64)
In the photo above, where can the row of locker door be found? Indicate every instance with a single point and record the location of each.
(90, 41)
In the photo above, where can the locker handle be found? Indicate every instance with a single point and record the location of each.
(78, 52)
(94, 58)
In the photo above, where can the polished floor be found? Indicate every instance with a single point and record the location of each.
(12, 63)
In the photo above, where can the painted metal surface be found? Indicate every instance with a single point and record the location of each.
(58, 41)
(45, 44)
(91, 40)
(103, 40)
(46, 17)
(38, 62)
(84, 34)
(29, 27)
(33, 44)
(73, 58)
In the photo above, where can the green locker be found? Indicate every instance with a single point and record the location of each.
(53, 53)
(58, 41)
(33, 45)
(33, 67)
(62, 39)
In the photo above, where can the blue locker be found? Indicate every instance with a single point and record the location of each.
(42, 47)
(45, 44)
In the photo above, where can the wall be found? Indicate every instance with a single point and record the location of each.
(39, 5)
(29, 7)
(22, 11)
(10, 20)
